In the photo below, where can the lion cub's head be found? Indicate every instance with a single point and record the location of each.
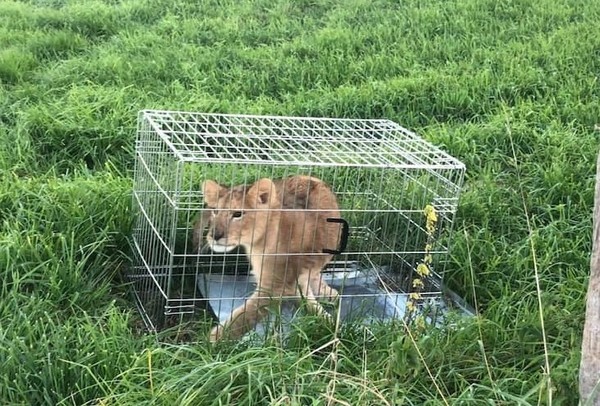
(241, 215)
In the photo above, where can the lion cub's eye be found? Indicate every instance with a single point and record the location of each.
(236, 214)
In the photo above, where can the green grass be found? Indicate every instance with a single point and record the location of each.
(476, 77)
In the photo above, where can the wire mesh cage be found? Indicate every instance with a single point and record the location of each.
(354, 213)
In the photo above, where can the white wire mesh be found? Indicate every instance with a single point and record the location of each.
(382, 174)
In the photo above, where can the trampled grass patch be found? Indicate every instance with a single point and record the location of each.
(510, 88)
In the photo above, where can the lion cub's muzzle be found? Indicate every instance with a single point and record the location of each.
(218, 241)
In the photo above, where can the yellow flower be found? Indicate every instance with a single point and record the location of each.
(423, 269)
(431, 214)
(418, 283)
(415, 295)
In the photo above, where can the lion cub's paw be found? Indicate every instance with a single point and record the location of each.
(331, 294)
(216, 333)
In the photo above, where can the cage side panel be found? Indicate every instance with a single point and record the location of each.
(154, 208)
(387, 233)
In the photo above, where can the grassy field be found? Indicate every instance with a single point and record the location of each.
(510, 88)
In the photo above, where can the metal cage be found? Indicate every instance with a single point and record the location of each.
(398, 193)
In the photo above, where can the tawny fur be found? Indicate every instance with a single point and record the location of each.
(282, 226)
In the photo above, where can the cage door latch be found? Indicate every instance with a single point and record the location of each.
(344, 236)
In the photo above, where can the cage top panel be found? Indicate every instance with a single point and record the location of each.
(231, 138)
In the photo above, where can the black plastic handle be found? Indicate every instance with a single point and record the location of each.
(343, 240)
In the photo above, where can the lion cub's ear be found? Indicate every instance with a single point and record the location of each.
(211, 190)
(262, 194)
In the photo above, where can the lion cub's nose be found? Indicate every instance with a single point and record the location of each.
(218, 234)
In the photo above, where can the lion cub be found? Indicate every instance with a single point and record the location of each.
(282, 225)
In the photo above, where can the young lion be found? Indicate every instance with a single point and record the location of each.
(282, 225)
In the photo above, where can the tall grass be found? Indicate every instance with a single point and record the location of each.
(510, 88)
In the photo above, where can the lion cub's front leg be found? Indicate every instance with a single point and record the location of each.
(243, 319)
(322, 288)
(309, 286)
